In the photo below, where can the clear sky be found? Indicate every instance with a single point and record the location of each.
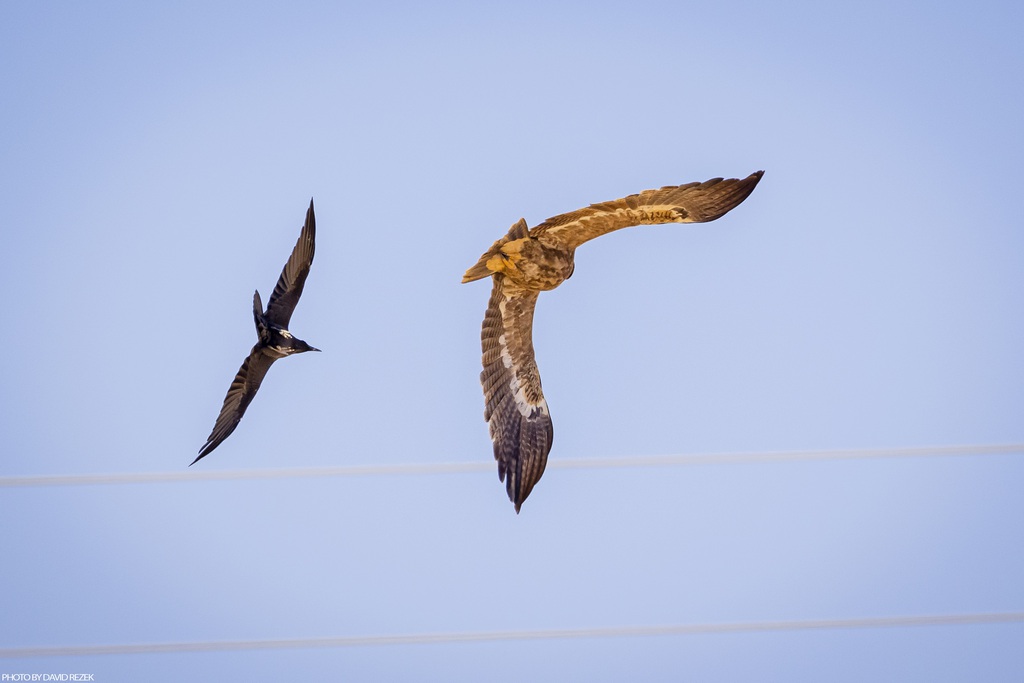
(157, 161)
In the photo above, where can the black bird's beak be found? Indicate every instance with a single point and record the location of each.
(313, 349)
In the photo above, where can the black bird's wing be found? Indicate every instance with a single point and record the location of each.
(243, 389)
(515, 408)
(293, 277)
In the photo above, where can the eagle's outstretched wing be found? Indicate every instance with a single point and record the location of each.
(515, 407)
(293, 277)
(690, 203)
(240, 394)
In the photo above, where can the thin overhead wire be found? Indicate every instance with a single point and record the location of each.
(492, 636)
(411, 469)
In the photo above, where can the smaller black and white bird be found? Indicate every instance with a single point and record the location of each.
(275, 341)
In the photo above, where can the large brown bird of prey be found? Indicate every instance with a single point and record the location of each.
(526, 262)
(275, 341)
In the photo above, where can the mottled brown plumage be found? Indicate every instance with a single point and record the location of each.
(526, 262)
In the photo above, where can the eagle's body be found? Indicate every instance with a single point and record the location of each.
(274, 341)
(531, 263)
(526, 262)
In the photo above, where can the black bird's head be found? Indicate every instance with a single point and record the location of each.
(302, 347)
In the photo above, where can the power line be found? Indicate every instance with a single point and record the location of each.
(540, 634)
(408, 469)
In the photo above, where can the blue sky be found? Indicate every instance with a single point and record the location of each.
(157, 163)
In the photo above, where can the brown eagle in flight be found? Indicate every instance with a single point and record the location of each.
(526, 262)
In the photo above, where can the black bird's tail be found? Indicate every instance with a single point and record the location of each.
(257, 305)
